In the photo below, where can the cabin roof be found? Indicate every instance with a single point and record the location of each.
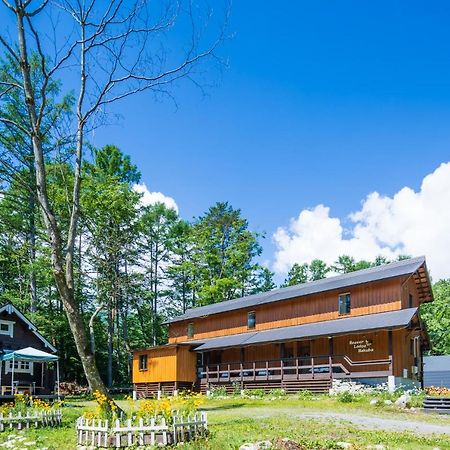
(385, 271)
(385, 320)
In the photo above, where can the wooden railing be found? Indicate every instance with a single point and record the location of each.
(315, 367)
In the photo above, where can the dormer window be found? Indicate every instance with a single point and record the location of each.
(7, 328)
(251, 320)
(344, 303)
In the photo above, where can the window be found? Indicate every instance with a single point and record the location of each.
(251, 319)
(142, 362)
(190, 330)
(19, 367)
(6, 327)
(344, 303)
(410, 301)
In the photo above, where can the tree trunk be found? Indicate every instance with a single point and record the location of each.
(64, 286)
(32, 242)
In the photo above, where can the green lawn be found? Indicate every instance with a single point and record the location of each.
(235, 421)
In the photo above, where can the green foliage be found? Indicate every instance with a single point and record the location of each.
(218, 391)
(436, 316)
(305, 394)
(345, 397)
(277, 393)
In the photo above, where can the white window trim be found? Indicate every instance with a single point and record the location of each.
(10, 331)
(8, 367)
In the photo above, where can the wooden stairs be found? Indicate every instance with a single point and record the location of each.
(437, 404)
(317, 385)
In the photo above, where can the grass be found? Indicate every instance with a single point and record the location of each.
(235, 421)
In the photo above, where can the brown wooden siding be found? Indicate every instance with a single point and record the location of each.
(386, 295)
(409, 287)
(23, 337)
(164, 364)
(342, 345)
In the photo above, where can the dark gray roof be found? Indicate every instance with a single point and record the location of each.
(439, 363)
(370, 322)
(395, 269)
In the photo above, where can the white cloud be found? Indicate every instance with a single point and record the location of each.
(150, 198)
(413, 223)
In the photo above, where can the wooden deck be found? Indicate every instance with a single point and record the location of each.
(293, 369)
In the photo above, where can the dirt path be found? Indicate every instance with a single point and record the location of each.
(378, 423)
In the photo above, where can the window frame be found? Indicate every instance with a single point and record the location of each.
(142, 367)
(10, 331)
(190, 330)
(22, 366)
(347, 303)
(248, 320)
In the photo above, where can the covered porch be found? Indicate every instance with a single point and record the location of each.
(29, 371)
(367, 348)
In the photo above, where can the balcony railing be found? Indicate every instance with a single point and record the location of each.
(315, 367)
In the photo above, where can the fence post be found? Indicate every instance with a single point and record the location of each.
(164, 436)
(152, 434)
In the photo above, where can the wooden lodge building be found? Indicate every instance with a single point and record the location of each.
(362, 326)
(28, 361)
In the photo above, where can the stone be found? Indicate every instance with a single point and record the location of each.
(262, 445)
(374, 402)
(388, 402)
(377, 447)
(344, 444)
(288, 444)
(403, 401)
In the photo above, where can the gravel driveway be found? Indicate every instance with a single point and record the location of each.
(378, 423)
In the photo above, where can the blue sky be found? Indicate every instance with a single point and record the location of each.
(322, 103)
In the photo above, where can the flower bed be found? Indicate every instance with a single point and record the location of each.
(37, 419)
(163, 421)
(100, 433)
(26, 412)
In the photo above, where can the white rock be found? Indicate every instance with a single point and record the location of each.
(377, 447)
(262, 445)
(403, 401)
(344, 444)
(388, 402)
(374, 402)
(248, 446)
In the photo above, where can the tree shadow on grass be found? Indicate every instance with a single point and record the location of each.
(225, 406)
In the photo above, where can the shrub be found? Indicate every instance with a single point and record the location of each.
(236, 389)
(253, 393)
(346, 397)
(218, 391)
(438, 391)
(305, 395)
(278, 393)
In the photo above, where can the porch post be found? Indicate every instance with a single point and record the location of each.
(241, 367)
(1, 370)
(391, 368)
(330, 355)
(57, 377)
(12, 376)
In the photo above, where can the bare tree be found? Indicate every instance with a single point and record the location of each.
(116, 49)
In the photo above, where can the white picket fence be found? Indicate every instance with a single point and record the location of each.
(37, 419)
(155, 431)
